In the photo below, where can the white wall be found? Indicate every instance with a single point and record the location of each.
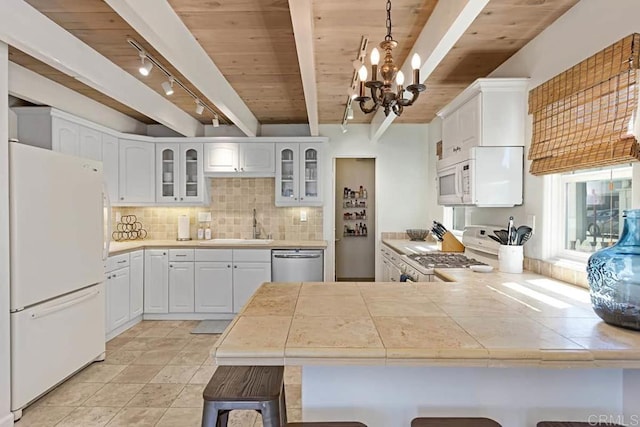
(435, 135)
(401, 176)
(6, 418)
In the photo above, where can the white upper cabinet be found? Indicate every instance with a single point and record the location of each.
(243, 159)
(491, 113)
(90, 144)
(298, 174)
(220, 157)
(180, 175)
(110, 160)
(137, 171)
(65, 137)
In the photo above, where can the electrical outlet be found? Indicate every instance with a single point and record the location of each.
(531, 221)
(303, 215)
(118, 216)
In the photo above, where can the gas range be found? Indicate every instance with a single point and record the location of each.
(433, 260)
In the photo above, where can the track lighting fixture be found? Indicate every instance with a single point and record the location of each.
(199, 107)
(350, 113)
(145, 66)
(168, 86)
(215, 121)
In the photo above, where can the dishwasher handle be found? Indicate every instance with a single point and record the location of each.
(298, 256)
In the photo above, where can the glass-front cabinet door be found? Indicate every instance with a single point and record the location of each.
(310, 175)
(287, 174)
(168, 167)
(191, 163)
(179, 173)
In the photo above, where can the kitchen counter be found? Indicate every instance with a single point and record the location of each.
(482, 320)
(408, 247)
(123, 247)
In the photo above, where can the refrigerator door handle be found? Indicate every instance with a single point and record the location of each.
(107, 240)
(62, 306)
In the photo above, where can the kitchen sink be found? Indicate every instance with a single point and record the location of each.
(237, 242)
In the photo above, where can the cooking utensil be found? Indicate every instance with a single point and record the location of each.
(525, 237)
(503, 235)
(496, 239)
(509, 228)
(520, 232)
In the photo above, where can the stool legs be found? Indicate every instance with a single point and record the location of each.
(271, 413)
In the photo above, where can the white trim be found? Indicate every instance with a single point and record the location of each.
(161, 27)
(302, 19)
(447, 23)
(189, 316)
(24, 27)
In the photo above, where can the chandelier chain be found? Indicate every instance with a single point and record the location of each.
(388, 36)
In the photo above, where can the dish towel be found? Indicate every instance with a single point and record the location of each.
(405, 277)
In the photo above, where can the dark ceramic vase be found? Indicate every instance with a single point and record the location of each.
(614, 277)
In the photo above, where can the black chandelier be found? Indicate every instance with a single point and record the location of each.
(381, 91)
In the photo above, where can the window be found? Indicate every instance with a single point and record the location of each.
(594, 202)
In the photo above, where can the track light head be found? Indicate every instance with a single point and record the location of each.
(215, 121)
(145, 66)
(199, 107)
(168, 87)
(350, 113)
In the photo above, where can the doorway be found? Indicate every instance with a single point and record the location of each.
(355, 219)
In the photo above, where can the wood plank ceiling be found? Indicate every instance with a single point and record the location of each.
(97, 25)
(252, 43)
(503, 28)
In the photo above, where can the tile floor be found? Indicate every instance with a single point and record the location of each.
(153, 375)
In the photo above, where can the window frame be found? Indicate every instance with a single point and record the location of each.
(558, 204)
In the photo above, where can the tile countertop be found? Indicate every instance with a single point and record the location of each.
(123, 247)
(484, 319)
(408, 247)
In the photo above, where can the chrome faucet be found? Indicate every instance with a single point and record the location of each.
(256, 231)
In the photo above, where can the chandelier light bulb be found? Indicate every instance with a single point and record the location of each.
(362, 73)
(145, 67)
(375, 56)
(400, 78)
(415, 61)
(199, 107)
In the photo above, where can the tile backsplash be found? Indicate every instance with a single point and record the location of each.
(231, 207)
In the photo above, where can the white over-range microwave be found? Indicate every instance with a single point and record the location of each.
(490, 177)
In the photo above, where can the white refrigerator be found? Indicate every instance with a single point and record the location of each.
(57, 269)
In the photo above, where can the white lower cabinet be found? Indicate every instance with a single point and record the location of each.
(156, 281)
(117, 294)
(136, 282)
(247, 277)
(213, 287)
(181, 287)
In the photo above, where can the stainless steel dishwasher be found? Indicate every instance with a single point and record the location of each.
(297, 265)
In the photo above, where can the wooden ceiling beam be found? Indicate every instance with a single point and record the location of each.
(448, 22)
(30, 31)
(302, 19)
(161, 27)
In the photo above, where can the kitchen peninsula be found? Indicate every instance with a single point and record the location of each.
(516, 348)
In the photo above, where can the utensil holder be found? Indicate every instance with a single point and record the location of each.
(451, 244)
(510, 258)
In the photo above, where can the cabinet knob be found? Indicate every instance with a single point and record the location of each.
(170, 265)
(175, 198)
(242, 169)
(235, 169)
(121, 198)
(181, 198)
(301, 198)
(164, 253)
(228, 265)
(295, 198)
(235, 266)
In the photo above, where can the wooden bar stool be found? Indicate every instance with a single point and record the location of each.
(453, 422)
(573, 424)
(260, 388)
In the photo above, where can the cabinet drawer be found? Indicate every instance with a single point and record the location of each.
(181, 254)
(214, 255)
(252, 255)
(117, 261)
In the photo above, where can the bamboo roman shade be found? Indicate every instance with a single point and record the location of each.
(584, 117)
